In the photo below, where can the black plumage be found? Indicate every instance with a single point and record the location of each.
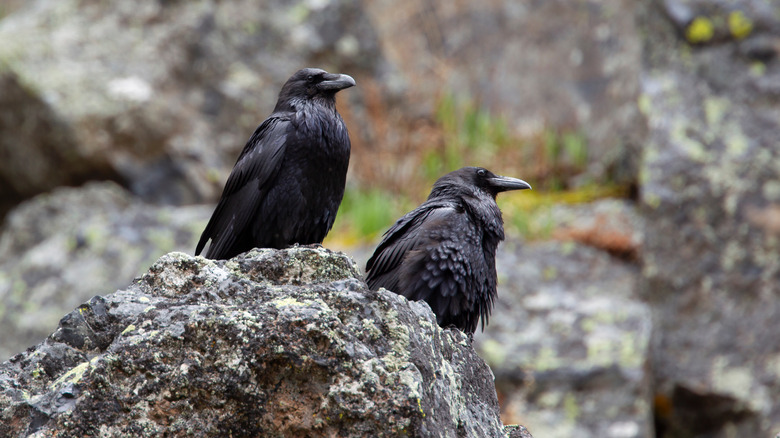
(289, 180)
(444, 251)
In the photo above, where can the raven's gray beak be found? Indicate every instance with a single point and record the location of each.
(505, 183)
(335, 81)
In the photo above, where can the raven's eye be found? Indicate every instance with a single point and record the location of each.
(310, 78)
(481, 172)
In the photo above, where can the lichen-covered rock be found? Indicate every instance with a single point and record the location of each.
(270, 343)
(161, 96)
(61, 248)
(568, 342)
(711, 198)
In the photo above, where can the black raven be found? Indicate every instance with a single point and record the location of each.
(444, 251)
(289, 180)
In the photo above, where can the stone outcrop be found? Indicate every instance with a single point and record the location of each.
(711, 200)
(270, 343)
(568, 342)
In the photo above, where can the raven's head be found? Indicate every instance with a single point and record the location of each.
(469, 179)
(309, 83)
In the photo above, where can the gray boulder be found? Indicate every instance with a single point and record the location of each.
(161, 97)
(59, 249)
(271, 343)
(568, 342)
(711, 198)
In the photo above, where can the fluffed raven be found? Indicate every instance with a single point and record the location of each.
(289, 179)
(444, 251)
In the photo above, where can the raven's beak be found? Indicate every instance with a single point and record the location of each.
(335, 81)
(505, 183)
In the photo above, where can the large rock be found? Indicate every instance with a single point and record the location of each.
(271, 343)
(711, 197)
(59, 249)
(569, 341)
(160, 97)
(544, 65)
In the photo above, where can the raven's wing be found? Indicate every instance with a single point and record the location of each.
(405, 235)
(434, 254)
(258, 163)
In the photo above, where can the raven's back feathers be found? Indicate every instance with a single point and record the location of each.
(443, 252)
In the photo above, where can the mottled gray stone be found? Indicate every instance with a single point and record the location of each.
(161, 96)
(711, 199)
(59, 249)
(270, 343)
(568, 342)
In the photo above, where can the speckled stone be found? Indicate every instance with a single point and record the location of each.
(270, 343)
(711, 270)
(569, 342)
(61, 248)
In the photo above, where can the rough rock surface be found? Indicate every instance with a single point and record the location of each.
(711, 198)
(167, 93)
(159, 94)
(568, 342)
(271, 343)
(59, 249)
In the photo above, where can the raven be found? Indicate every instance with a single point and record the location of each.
(444, 251)
(287, 184)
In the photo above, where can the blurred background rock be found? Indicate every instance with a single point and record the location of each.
(640, 279)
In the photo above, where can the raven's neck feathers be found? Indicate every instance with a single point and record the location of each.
(480, 205)
(295, 104)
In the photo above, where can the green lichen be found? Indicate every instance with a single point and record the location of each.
(644, 103)
(493, 352)
(680, 135)
(370, 328)
(546, 359)
(714, 110)
(630, 357)
(757, 69)
(736, 141)
(549, 273)
(571, 407)
(740, 383)
(771, 190)
(601, 350)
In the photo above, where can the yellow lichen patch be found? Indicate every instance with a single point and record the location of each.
(128, 329)
(74, 375)
(419, 406)
(740, 25)
(700, 30)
